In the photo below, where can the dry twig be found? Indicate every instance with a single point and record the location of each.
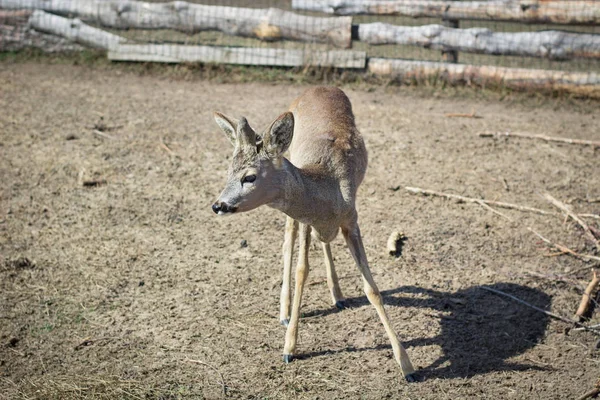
(461, 115)
(587, 296)
(548, 313)
(104, 135)
(563, 248)
(486, 203)
(541, 137)
(592, 393)
(561, 206)
(222, 382)
(511, 206)
(165, 147)
(478, 201)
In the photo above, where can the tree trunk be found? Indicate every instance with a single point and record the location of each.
(575, 12)
(265, 24)
(583, 83)
(74, 30)
(555, 45)
(15, 35)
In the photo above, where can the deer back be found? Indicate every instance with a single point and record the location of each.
(326, 139)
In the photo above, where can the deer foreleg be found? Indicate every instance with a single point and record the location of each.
(302, 267)
(354, 241)
(291, 231)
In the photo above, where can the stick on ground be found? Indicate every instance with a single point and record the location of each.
(486, 203)
(561, 206)
(478, 201)
(501, 204)
(222, 382)
(104, 135)
(540, 137)
(587, 296)
(164, 146)
(563, 248)
(462, 115)
(548, 313)
(592, 393)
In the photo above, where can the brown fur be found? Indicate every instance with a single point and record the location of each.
(326, 138)
(316, 188)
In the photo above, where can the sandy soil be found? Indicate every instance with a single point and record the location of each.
(109, 291)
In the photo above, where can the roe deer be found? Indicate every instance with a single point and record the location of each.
(316, 188)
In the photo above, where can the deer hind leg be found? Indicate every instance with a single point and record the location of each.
(302, 267)
(291, 231)
(354, 241)
(332, 279)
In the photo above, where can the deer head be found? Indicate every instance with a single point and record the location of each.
(252, 176)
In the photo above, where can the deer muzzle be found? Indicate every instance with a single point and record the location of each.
(222, 208)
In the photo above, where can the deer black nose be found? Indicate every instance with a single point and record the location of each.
(223, 208)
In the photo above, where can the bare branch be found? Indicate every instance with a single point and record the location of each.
(478, 201)
(561, 206)
(222, 382)
(486, 205)
(540, 137)
(548, 313)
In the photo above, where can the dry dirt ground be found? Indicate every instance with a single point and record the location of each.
(109, 291)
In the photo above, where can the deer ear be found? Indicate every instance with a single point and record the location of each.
(227, 126)
(278, 137)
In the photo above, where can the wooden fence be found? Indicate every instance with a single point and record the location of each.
(77, 20)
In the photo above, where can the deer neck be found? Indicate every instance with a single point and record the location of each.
(297, 192)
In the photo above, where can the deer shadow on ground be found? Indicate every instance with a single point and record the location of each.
(479, 331)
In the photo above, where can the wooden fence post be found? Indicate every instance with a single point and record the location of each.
(450, 56)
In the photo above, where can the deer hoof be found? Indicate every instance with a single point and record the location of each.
(341, 304)
(284, 322)
(287, 358)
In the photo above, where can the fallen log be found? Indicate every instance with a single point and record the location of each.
(583, 83)
(15, 35)
(13, 29)
(7, 16)
(570, 12)
(556, 45)
(74, 30)
(264, 24)
(172, 53)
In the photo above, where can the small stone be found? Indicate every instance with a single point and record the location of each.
(243, 243)
(13, 342)
(141, 283)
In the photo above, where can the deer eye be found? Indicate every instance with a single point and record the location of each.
(249, 179)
